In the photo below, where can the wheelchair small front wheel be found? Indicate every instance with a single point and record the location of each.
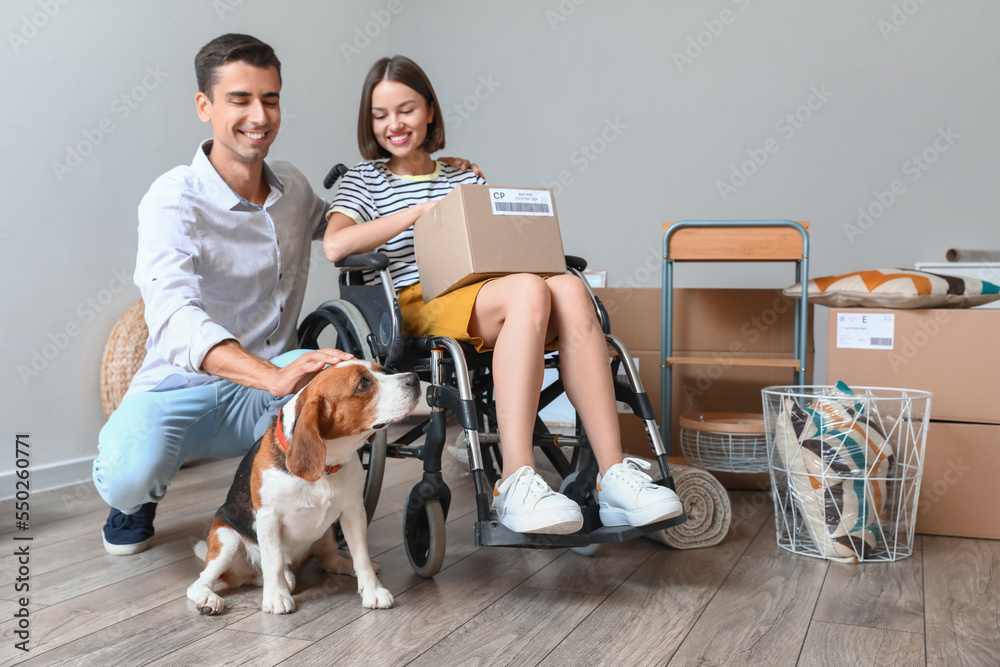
(424, 536)
(590, 549)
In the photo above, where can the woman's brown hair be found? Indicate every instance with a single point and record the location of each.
(401, 70)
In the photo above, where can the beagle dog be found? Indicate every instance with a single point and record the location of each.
(297, 480)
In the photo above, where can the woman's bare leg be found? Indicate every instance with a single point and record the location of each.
(586, 367)
(511, 315)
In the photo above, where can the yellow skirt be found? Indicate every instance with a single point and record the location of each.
(447, 315)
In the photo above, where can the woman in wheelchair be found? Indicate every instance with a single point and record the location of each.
(399, 126)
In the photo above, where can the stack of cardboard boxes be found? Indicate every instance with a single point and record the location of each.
(953, 354)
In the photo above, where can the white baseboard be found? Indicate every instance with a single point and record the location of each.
(51, 476)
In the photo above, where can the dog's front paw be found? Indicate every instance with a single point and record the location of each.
(210, 604)
(376, 597)
(373, 595)
(278, 602)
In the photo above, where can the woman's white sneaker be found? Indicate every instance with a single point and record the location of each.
(629, 497)
(525, 504)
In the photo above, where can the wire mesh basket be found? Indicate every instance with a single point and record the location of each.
(845, 469)
(725, 441)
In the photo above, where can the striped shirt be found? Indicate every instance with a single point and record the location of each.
(369, 191)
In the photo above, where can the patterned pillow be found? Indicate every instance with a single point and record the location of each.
(837, 462)
(897, 288)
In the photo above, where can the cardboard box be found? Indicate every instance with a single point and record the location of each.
(959, 492)
(722, 324)
(948, 352)
(481, 231)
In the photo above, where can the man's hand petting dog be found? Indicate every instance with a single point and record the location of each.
(299, 373)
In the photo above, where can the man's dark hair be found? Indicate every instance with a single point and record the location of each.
(231, 48)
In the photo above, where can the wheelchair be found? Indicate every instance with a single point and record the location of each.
(368, 324)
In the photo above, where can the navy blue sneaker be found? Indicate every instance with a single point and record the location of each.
(126, 534)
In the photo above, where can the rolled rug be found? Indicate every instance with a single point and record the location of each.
(706, 503)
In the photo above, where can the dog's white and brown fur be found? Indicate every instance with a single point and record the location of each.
(296, 481)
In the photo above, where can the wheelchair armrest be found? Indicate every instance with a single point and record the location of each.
(574, 262)
(376, 261)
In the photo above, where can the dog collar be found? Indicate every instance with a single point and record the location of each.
(280, 432)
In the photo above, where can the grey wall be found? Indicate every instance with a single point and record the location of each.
(641, 109)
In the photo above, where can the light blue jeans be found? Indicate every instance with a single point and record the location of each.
(152, 433)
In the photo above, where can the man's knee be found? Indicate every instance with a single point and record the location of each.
(125, 486)
(133, 465)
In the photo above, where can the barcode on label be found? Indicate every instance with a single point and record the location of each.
(510, 201)
(882, 341)
(518, 207)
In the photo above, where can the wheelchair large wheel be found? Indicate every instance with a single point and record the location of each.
(347, 321)
(424, 536)
(352, 336)
(373, 461)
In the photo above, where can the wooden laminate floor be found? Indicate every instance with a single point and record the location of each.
(745, 601)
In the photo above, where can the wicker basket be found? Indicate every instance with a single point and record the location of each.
(123, 354)
(725, 441)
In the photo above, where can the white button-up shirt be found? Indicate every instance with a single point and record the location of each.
(212, 266)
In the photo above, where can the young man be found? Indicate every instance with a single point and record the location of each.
(224, 247)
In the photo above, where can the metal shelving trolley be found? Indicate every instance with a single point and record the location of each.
(730, 241)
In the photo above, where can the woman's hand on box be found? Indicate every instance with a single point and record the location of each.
(422, 208)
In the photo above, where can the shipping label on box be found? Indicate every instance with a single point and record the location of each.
(863, 331)
(508, 201)
(477, 232)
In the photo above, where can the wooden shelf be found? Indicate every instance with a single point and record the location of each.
(735, 244)
(794, 364)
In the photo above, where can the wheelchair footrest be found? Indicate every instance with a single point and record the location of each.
(492, 533)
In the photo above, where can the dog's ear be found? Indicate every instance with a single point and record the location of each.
(306, 456)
